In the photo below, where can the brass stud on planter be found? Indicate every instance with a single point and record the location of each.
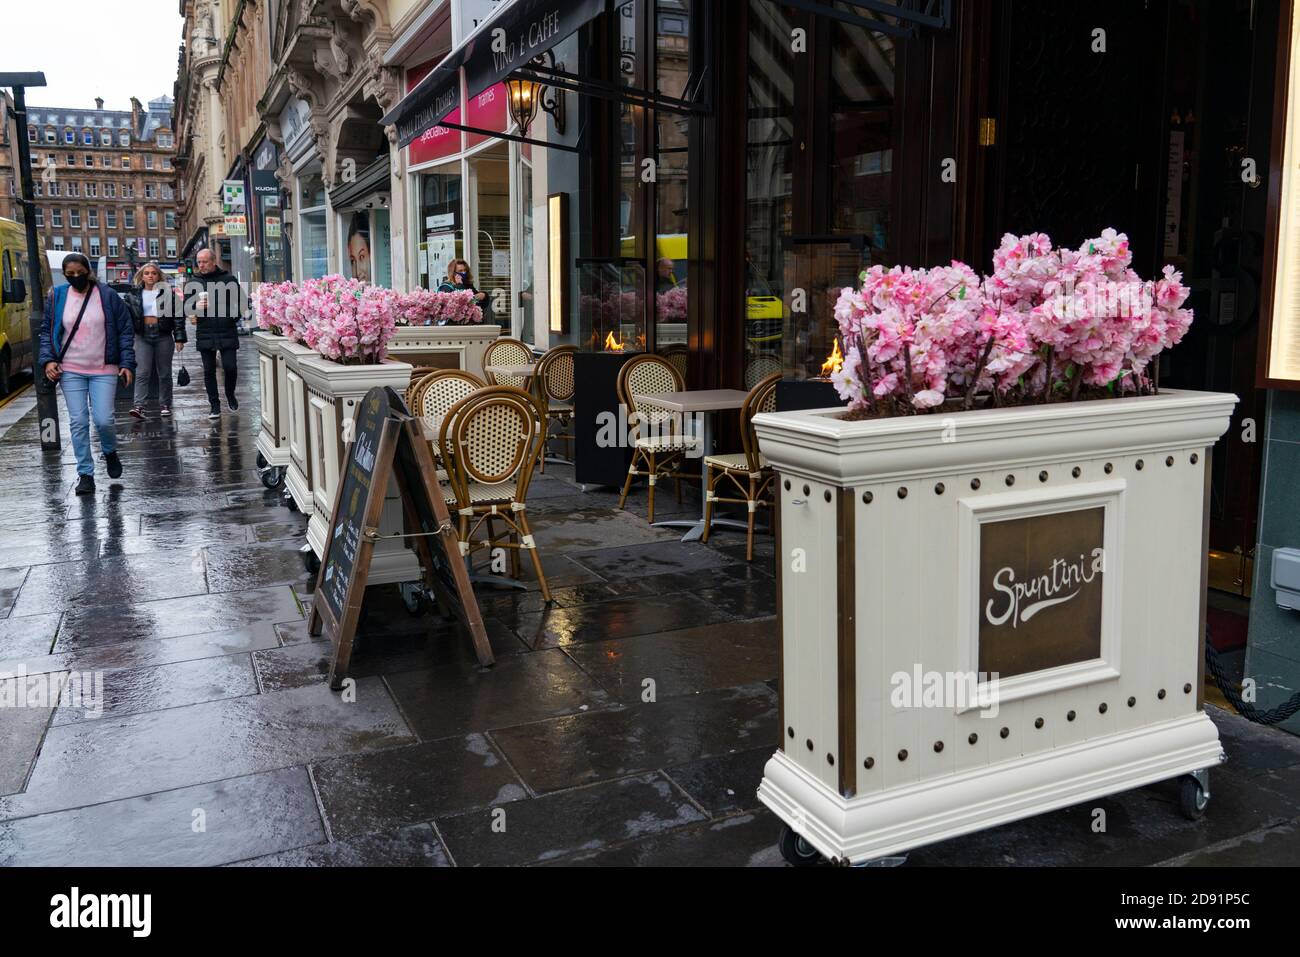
(1187, 688)
(1169, 461)
(938, 746)
(902, 491)
(806, 491)
(787, 485)
(1161, 694)
(902, 755)
(869, 763)
(1101, 708)
(827, 495)
(866, 498)
(1195, 458)
(1069, 716)
(790, 731)
(1042, 476)
(938, 488)
(1038, 723)
(973, 737)
(974, 483)
(1132, 701)
(1076, 471)
(810, 744)
(830, 759)
(1005, 732)
(1011, 480)
(1108, 468)
(1139, 465)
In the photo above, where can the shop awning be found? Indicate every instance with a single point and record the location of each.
(517, 31)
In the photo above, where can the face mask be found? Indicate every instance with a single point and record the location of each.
(79, 283)
(461, 276)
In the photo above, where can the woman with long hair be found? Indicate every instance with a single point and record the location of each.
(87, 344)
(158, 317)
(460, 279)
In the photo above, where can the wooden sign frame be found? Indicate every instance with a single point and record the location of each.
(398, 429)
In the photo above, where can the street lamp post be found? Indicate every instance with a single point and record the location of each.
(47, 403)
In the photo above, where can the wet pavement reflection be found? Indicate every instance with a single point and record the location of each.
(626, 723)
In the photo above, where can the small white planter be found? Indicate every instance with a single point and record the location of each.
(273, 439)
(901, 543)
(298, 479)
(443, 347)
(333, 394)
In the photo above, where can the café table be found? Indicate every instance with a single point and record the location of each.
(702, 405)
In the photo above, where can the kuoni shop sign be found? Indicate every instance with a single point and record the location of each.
(1040, 591)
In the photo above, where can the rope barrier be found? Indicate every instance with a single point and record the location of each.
(1245, 708)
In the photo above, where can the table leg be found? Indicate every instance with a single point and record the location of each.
(695, 527)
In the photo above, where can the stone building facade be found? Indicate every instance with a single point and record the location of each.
(105, 182)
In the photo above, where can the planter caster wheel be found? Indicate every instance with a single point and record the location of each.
(261, 461)
(796, 851)
(272, 477)
(412, 596)
(289, 503)
(311, 562)
(1193, 795)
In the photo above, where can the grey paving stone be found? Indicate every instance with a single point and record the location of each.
(599, 745)
(28, 636)
(236, 818)
(681, 662)
(438, 703)
(615, 618)
(552, 827)
(416, 846)
(746, 840)
(724, 784)
(142, 653)
(366, 793)
(114, 758)
(136, 690)
(26, 704)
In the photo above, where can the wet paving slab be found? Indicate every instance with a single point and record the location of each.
(725, 784)
(148, 653)
(384, 790)
(687, 661)
(745, 840)
(105, 581)
(26, 705)
(203, 825)
(113, 758)
(569, 822)
(415, 846)
(29, 636)
(441, 702)
(615, 618)
(124, 691)
(599, 745)
(170, 618)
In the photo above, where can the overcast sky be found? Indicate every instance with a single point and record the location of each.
(116, 49)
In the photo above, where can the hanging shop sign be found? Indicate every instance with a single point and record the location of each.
(510, 38)
(232, 195)
(236, 224)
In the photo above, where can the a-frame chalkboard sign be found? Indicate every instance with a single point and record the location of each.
(388, 443)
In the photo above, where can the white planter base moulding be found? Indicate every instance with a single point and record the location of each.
(987, 615)
(443, 347)
(273, 439)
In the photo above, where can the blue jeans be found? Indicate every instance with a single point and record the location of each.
(90, 396)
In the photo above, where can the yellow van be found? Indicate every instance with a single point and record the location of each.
(17, 351)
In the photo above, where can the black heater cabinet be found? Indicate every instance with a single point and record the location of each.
(596, 459)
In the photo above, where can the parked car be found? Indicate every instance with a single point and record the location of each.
(17, 352)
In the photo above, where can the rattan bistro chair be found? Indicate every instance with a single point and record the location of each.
(555, 384)
(420, 376)
(747, 472)
(491, 441)
(506, 351)
(660, 443)
(441, 390)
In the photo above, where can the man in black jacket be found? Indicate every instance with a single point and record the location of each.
(215, 303)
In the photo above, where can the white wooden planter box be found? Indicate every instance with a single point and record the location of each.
(901, 543)
(298, 478)
(333, 393)
(273, 439)
(443, 347)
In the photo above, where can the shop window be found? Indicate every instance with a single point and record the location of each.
(312, 227)
(440, 238)
(490, 227)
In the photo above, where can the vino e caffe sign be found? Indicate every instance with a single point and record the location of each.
(1040, 591)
